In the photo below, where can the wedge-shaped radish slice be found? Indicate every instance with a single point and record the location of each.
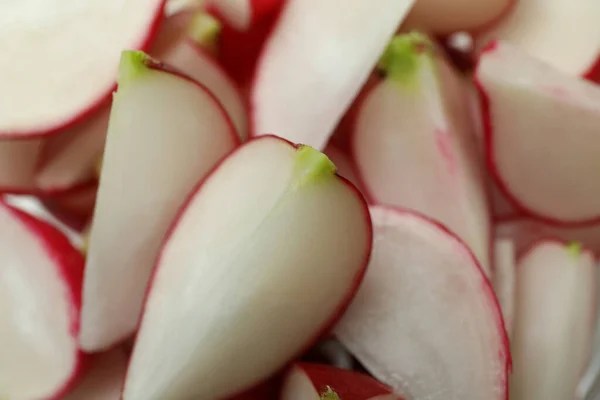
(311, 381)
(449, 16)
(563, 33)
(272, 245)
(425, 320)
(541, 135)
(503, 279)
(18, 162)
(414, 147)
(104, 380)
(40, 283)
(554, 320)
(165, 132)
(242, 14)
(309, 73)
(67, 88)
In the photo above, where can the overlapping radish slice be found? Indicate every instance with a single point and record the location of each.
(343, 164)
(425, 320)
(502, 208)
(414, 146)
(18, 163)
(74, 78)
(104, 380)
(313, 381)
(503, 280)
(74, 208)
(165, 133)
(541, 135)
(40, 283)
(242, 14)
(262, 259)
(554, 320)
(563, 33)
(309, 73)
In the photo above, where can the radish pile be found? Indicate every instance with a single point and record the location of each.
(300, 200)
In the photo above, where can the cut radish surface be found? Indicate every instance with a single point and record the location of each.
(310, 381)
(425, 320)
(40, 282)
(79, 43)
(541, 135)
(309, 73)
(504, 279)
(449, 16)
(414, 146)
(165, 133)
(272, 245)
(554, 321)
(18, 162)
(104, 380)
(241, 14)
(563, 33)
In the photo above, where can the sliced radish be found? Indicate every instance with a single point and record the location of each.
(414, 146)
(343, 164)
(74, 208)
(541, 135)
(504, 279)
(449, 16)
(165, 132)
(425, 320)
(563, 33)
(272, 245)
(40, 282)
(309, 73)
(18, 162)
(104, 380)
(310, 381)
(554, 320)
(242, 14)
(80, 44)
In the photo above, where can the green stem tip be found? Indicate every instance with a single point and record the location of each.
(133, 64)
(329, 394)
(401, 59)
(574, 249)
(312, 165)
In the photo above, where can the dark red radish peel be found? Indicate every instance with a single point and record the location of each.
(40, 284)
(74, 208)
(425, 320)
(503, 279)
(95, 31)
(165, 133)
(554, 321)
(541, 135)
(414, 146)
(104, 379)
(267, 197)
(309, 73)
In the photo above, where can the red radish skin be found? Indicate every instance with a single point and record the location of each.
(75, 208)
(335, 315)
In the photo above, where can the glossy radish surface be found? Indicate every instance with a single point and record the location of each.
(424, 305)
(40, 283)
(165, 131)
(216, 299)
(554, 320)
(414, 147)
(309, 73)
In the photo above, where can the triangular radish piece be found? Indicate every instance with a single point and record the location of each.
(344, 165)
(272, 245)
(18, 163)
(309, 73)
(104, 380)
(449, 16)
(425, 320)
(563, 33)
(554, 320)
(165, 132)
(242, 14)
(414, 147)
(310, 381)
(503, 279)
(541, 135)
(40, 283)
(79, 43)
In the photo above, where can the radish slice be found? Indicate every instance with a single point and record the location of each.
(449, 16)
(216, 298)
(425, 320)
(414, 146)
(165, 133)
(105, 379)
(504, 279)
(563, 33)
(74, 208)
(554, 320)
(309, 73)
(242, 14)
(344, 165)
(40, 282)
(310, 381)
(502, 208)
(541, 135)
(18, 161)
(79, 43)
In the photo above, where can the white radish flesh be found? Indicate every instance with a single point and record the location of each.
(503, 279)
(104, 380)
